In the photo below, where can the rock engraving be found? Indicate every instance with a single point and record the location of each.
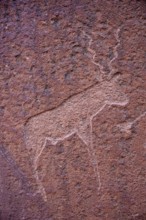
(74, 116)
(112, 70)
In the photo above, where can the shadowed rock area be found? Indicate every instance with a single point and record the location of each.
(72, 110)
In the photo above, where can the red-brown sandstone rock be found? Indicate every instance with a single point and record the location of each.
(72, 110)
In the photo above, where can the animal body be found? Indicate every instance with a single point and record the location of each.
(73, 116)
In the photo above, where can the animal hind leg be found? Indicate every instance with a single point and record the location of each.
(42, 144)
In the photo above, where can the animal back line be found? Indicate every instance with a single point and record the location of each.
(62, 103)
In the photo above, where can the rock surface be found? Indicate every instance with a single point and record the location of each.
(72, 110)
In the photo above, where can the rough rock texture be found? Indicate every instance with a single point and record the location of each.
(72, 110)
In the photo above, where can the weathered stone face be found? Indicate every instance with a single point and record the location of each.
(73, 110)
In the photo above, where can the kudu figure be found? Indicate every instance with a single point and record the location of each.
(75, 115)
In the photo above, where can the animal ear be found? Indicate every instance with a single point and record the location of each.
(115, 77)
(50, 142)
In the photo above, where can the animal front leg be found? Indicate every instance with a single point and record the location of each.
(85, 133)
(93, 157)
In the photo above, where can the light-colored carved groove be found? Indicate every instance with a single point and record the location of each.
(139, 118)
(90, 149)
(74, 116)
(115, 52)
(128, 125)
(36, 160)
(93, 53)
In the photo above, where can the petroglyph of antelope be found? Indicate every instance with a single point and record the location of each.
(73, 116)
